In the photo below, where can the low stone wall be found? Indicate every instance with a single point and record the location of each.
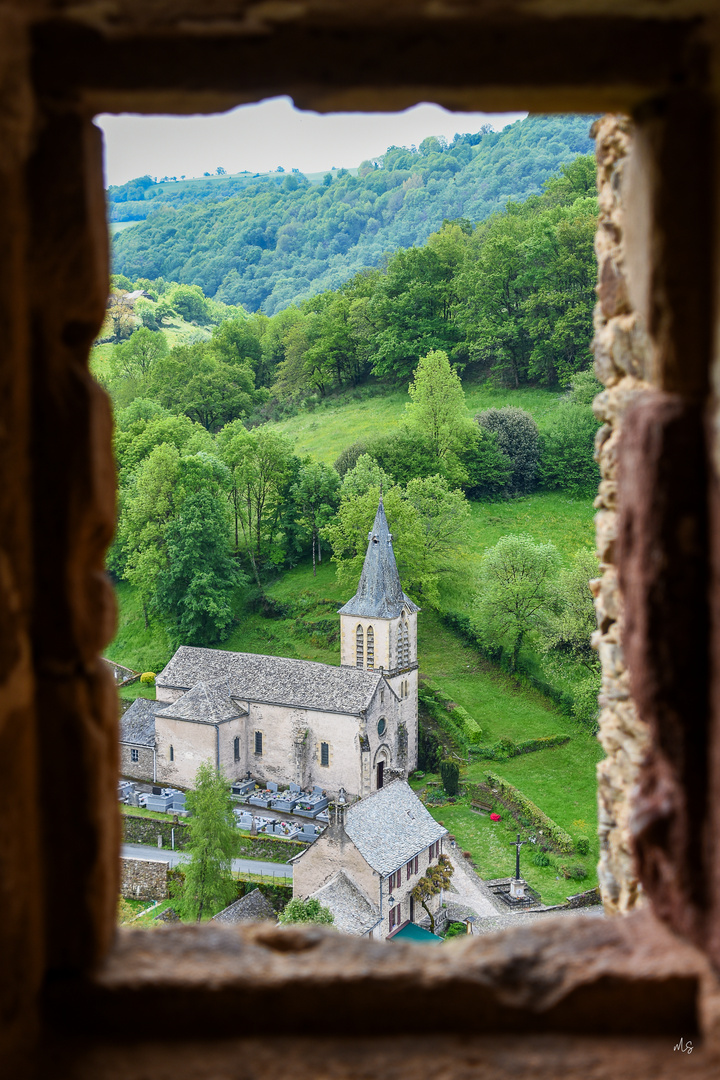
(585, 899)
(143, 879)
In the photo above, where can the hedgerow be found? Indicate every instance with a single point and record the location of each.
(469, 730)
(519, 805)
(506, 748)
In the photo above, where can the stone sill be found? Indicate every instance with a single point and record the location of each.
(620, 977)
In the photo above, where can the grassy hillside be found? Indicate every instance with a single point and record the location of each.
(324, 431)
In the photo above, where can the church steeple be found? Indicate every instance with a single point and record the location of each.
(379, 594)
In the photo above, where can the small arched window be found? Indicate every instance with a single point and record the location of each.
(236, 748)
(172, 754)
(359, 647)
(370, 647)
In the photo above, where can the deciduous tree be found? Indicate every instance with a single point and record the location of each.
(433, 880)
(208, 885)
(514, 591)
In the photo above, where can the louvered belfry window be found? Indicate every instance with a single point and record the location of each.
(404, 644)
(359, 647)
(370, 647)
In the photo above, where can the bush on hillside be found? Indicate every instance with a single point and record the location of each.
(450, 775)
(348, 458)
(429, 750)
(566, 457)
(519, 439)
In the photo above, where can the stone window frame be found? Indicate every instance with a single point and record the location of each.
(259, 743)
(325, 755)
(66, 68)
(134, 754)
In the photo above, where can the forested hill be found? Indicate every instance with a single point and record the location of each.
(268, 241)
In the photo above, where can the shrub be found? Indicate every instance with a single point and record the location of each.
(450, 774)
(348, 458)
(583, 846)
(567, 461)
(541, 859)
(577, 872)
(455, 929)
(148, 677)
(518, 437)
(429, 750)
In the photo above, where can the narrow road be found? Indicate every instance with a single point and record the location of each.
(244, 866)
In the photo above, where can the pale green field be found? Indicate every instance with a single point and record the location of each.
(322, 433)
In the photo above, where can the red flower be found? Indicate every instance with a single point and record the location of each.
(495, 817)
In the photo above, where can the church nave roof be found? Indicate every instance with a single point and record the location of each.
(272, 679)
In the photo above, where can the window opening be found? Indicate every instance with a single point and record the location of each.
(236, 748)
(381, 726)
(359, 647)
(172, 753)
(134, 755)
(258, 742)
(380, 770)
(370, 647)
(324, 753)
(404, 645)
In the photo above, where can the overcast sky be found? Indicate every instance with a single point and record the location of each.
(261, 137)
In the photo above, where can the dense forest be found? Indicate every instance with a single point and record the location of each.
(267, 241)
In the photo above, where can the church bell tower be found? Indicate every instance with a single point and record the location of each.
(378, 629)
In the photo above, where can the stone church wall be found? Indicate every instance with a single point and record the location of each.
(142, 769)
(324, 858)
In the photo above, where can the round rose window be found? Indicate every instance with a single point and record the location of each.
(382, 724)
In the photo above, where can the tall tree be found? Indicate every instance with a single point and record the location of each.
(315, 495)
(262, 467)
(437, 403)
(208, 885)
(195, 589)
(514, 591)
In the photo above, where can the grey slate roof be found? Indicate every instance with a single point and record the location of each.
(379, 594)
(137, 724)
(391, 826)
(251, 906)
(353, 912)
(273, 679)
(207, 701)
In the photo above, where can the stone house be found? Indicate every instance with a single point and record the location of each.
(369, 859)
(345, 727)
(137, 741)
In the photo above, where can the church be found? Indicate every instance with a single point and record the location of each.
(352, 727)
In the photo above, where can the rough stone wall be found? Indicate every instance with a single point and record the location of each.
(143, 879)
(623, 363)
(142, 769)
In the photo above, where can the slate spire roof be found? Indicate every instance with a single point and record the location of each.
(379, 594)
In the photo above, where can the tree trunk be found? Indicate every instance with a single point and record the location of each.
(516, 652)
(313, 547)
(430, 915)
